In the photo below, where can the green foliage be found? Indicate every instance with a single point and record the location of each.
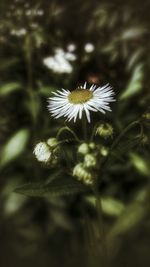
(9, 88)
(140, 164)
(110, 206)
(133, 33)
(135, 84)
(129, 219)
(14, 147)
(58, 187)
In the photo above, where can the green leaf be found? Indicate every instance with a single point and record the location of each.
(58, 187)
(133, 33)
(47, 90)
(34, 105)
(135, 84)
(9, 88)
(14, 147)
(140, 164)
(110, 206)
(134, 59)
(13, 203)
(131, 217)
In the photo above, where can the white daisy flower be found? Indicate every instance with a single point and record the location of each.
(72, 104)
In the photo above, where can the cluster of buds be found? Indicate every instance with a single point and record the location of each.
(86, 148)
(84, 171)
(47, 152)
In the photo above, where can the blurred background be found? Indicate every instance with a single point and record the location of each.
(47, 45)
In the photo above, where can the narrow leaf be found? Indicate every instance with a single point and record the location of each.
(9, 88)
(135, 84)
(140, 164)
(133, 33)
(14, 147)
(57, 187)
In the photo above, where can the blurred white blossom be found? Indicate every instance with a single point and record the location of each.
(89, 48)
(32, 12)
(40, 12)
(71, 47)
(59, 63)
(19, 32)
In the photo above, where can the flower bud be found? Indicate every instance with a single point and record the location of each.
(105, 130)
(83, 174)
(52, 142)
(104, 151)
(42, 152)
(146, 116)
(92, 145)
(89, 160)
(83, 149)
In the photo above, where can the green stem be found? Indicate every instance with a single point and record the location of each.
(94, 131)
(124, 132)
(28, 51)
(84, 127)
(66, 128)
(102, 237)
(130, 126)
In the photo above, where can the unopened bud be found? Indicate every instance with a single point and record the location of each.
(104, 151)
(92, 145)
(89, 160)
(52, 142)
(83, 149)
(83, 174)
(105, 130)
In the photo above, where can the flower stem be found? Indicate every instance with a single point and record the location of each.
(66, 128)
(117, 140)
(84, 127)
(102, 237)
(131, 125)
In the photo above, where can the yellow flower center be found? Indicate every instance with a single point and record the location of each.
(80, 96)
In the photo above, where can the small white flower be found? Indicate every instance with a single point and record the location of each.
(19, 32)
(71, 104)
(40, 12)
(58, 64)
(29, 12)
(42, 152)
(71, 47)
(89, 48)
(34, 25)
